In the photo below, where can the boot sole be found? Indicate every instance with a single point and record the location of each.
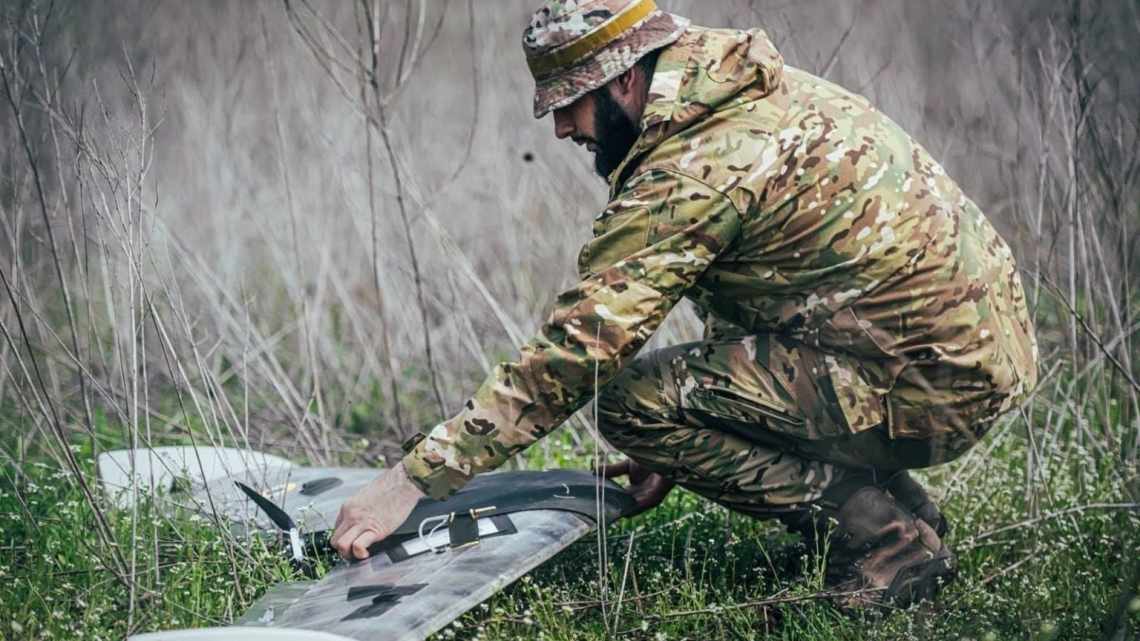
(921, 581)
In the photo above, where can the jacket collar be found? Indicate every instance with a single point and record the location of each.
(704, 71)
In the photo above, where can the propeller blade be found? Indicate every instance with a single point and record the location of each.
(275, 514)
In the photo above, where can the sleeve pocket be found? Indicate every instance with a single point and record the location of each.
(616, 236)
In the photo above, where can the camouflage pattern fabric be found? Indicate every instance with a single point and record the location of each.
(744, 422)
(575, 46)
(722, 419)
(787, 207)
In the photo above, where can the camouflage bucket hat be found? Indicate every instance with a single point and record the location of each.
(575, 46)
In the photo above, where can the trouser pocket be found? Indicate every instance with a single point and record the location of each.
(777, 385)
(726, 405)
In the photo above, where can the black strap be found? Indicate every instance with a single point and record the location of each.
(508, 492)
(393, 546)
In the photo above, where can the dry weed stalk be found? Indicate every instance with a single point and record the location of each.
(367, 69)
(116, 323)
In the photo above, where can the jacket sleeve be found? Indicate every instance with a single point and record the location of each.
(651, 244)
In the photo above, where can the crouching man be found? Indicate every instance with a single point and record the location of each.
(864, 318)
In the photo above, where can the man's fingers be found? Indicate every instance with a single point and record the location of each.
(648, 488)
(343, 523)
(644, 496)
(365, 539)
(341, 540)
(614, 470)
(652, 491)
(342, 543)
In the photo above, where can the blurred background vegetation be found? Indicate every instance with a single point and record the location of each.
(311, 227)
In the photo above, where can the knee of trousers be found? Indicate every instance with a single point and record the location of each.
(634, 400)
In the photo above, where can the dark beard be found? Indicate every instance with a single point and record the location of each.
(615, 133)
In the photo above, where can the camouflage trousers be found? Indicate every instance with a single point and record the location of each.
(748, 422)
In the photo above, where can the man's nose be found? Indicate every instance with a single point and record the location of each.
(563, 124)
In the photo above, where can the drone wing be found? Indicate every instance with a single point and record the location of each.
(448, 556)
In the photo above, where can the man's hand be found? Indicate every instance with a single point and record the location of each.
(374, 512)
(648, 488)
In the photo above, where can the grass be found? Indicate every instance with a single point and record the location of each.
(273, 301)
(695, 570)
(56, 586)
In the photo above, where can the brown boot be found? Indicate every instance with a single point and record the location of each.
(913, 497)
(885, 553)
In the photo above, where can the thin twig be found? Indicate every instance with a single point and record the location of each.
(971, 542)
(406, 222)
(1092, 334)
(826, 71)
(762, 603)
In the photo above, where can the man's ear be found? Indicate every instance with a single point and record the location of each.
(626, 86)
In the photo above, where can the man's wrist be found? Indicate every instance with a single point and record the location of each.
(432, 480)
(406, 482)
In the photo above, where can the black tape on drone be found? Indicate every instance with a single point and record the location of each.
(507, 492)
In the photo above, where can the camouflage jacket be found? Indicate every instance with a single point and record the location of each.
(777, 202)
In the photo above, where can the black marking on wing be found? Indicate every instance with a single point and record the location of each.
(318, 486)
(384, 596)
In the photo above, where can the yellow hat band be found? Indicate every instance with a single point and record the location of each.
(577, 50)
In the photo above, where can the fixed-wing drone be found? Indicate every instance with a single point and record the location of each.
(446, 558)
